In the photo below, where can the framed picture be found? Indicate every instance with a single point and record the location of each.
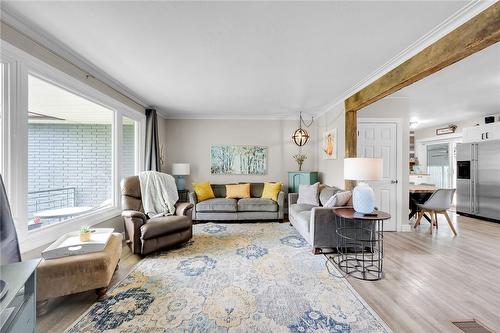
(238, 160)
(330, 145)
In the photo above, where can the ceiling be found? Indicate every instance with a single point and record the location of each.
(235, 59)
(465, 90)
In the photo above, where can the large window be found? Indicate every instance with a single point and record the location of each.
(70, 153)
(64, 147)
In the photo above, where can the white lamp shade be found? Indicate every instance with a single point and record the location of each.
(181, 169)
(363, 168)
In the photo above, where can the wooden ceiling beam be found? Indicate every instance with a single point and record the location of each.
(476, 34)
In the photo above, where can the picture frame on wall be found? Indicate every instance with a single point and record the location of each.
(330, 145)
(238, 160)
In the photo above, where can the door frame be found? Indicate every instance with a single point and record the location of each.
(399, 167)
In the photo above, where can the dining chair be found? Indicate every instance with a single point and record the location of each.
(438, 203)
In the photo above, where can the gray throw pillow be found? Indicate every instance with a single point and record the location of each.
(339, 199)
(327, 192)
(308, 194)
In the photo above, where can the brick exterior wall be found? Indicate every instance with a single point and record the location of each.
(75, 155)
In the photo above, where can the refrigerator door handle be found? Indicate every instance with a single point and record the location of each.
(476, 165)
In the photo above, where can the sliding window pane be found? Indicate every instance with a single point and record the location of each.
(128, 147)
(69, 154)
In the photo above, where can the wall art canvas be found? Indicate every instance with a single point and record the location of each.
(330, 145)
(238, 160)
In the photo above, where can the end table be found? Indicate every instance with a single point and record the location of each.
(360, 243)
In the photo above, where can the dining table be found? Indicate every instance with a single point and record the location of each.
(419, 193)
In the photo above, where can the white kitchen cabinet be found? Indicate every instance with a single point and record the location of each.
(481, 133)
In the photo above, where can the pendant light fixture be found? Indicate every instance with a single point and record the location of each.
(300, 136)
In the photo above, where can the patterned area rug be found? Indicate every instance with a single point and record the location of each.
(253, 277)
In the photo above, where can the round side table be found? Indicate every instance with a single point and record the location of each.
(360, 243)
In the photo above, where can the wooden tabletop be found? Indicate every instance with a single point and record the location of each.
(350, 213)
(422, 188)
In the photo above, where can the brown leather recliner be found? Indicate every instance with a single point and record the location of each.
(146, 235)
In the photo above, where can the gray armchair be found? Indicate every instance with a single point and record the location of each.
(146, 235)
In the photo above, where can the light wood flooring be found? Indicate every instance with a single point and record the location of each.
(429, 280)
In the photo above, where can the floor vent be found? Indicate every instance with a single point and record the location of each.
(471, 326)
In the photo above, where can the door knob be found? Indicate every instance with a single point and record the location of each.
(394, 181)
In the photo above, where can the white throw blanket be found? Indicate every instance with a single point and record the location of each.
(159, 193)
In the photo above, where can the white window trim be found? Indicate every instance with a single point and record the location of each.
(17, 163)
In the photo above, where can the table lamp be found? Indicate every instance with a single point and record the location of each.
(363, 169)
(179, 170)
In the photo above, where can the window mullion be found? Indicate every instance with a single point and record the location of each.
(117, 157)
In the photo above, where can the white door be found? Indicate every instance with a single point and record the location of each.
(379, 140)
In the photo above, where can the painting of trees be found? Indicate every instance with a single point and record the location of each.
(238, 160)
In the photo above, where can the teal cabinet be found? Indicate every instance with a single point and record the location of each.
(301, 177)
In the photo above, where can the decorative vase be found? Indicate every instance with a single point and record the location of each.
(84, 236)
(300, 166)
(363, 198)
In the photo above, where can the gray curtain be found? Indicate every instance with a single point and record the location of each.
(152, 162)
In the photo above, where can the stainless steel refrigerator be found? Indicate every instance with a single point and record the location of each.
(478, 179)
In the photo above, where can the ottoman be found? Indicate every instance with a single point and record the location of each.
(74, 274)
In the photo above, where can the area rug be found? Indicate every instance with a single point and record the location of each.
(252, 277)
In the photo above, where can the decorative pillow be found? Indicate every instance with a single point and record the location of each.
(339, 199)
(238, 191)
(326, 193)
(308, 194)
(203, 191)
(271, 190)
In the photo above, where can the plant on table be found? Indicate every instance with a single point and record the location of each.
(85, 232)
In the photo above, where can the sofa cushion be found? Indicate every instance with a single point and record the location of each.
(308, 194)
(257, 205)
(217, 205)
(326, 192)
(296, 209)
(159, 226)
(339, 199)
(256, 190)
(219, 190)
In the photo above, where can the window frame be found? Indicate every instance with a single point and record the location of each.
(17, 168)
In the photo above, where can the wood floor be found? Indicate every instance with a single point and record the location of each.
(429, 280)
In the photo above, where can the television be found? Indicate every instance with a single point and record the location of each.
(9, 245)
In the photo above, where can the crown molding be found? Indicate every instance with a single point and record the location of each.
(461, 16)
(39, 36)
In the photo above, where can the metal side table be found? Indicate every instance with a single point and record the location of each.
(360, 243)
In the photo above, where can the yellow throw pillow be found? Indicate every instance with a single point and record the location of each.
(238, 191)
(203, 191)
(271, 190)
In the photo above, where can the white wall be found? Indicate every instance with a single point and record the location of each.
(396, 108)
(189, 141)
(332, 171)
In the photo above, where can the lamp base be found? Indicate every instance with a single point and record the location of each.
(363, 199)
(180, 182)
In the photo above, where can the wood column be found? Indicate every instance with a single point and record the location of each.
(351, 140)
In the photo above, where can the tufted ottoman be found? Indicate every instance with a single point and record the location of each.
(74, 274)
